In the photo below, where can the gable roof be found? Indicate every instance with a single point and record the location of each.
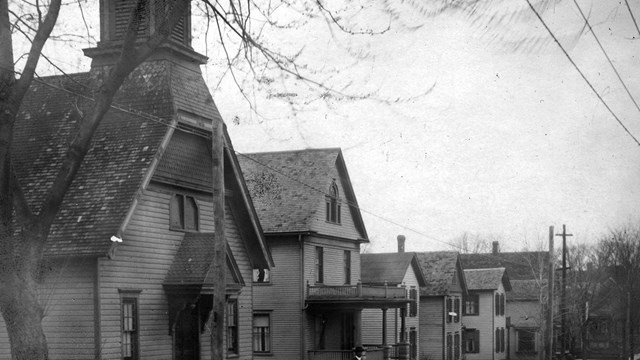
(287, 187)
(439, 268)
(389, 267)
(487, 279)
(126, 148)
(523, 265)
(99, 198)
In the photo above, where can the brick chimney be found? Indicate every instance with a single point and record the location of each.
(496, 247)
(401, 239)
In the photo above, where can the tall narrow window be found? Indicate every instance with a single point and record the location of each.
(496, 303)
(449, 346)
(449, 309)
(319, 265)
(456, 346)
(130, 348)
(183, 213)
(232, 326)
(502, 304)
(261, 333)
(347, 267)
(333, 204)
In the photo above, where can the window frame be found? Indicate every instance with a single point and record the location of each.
(268, 337)
(533, 342)
(333, 204)
(347, 267)
(413, 305)
(231, 328)
(183, 201)
(130, 297)
(319, 265)
(473, 299)
(471, 336)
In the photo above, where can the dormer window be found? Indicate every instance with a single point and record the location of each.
(183, 213)
(333, 204)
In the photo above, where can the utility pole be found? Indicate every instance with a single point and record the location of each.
(563, 298)
(550, 274)
(220, 242)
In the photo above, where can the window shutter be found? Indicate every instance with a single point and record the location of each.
(476, 340)
(456, 306)
(449, 305)
(413, 305)
(497, 304)
(497, 340)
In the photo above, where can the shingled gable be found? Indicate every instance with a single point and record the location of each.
(439, 268)
(389, 268)
(288, 186)
(487, 279)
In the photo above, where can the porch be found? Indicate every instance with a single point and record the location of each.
(335, 313)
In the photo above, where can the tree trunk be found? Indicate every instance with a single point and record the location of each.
(23, 314)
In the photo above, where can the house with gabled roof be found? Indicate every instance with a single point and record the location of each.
(310, 304)
(381, 328)
(440, 305)
(483, 314)
(127, 266)
(528, 277)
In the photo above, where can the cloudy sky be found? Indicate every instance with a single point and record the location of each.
(463, 125)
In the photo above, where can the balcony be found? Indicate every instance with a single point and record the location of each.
(361, 296)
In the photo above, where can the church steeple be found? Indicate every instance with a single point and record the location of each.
(114, 20)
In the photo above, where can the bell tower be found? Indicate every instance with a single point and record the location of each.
(114, 20)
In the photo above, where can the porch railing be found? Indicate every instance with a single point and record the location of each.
(355, 291)
(371, 354)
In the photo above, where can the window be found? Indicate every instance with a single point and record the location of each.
(413, 305)
(129, 310)
(456, 346)
(471, 341)
(496, 303)
(502, 304)
(456, 309)
(232, 326)
(347, 267)
(471, 303)
(333, 204)
(449, 346)
(261, 333)
(261, 276)
(500, 340)
(449, 309)
(183, 213)
(526, 341)
(319, 265)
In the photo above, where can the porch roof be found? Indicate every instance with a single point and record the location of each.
(356, 297)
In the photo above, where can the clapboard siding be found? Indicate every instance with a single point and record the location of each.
(346, 228)
(66, 294)
(484, 322)
(282, 298)
(141, 263)
(333, 260)
(431, 319)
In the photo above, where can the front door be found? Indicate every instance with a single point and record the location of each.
(348, 330)
(187, 334)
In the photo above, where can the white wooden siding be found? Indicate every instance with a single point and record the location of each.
(67, 297)
(431, 318)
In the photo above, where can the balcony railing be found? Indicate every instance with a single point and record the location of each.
(358, 291)
(371, 354)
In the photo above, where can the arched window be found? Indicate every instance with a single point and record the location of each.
(333, 203)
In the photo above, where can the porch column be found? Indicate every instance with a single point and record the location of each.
(384, 327)
(357, 319)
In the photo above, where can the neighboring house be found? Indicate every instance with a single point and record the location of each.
(483, 314)
(528, 276)
(127, 270)
(379, 327)
(441, 305)
(311, 303)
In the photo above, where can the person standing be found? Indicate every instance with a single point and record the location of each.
(358, 353)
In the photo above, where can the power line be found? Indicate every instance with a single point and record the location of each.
(632, 17)
(581, 74)
(606, 55)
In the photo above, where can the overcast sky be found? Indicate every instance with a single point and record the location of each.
(465, 133)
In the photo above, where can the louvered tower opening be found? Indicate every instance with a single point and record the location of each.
(115, 16)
